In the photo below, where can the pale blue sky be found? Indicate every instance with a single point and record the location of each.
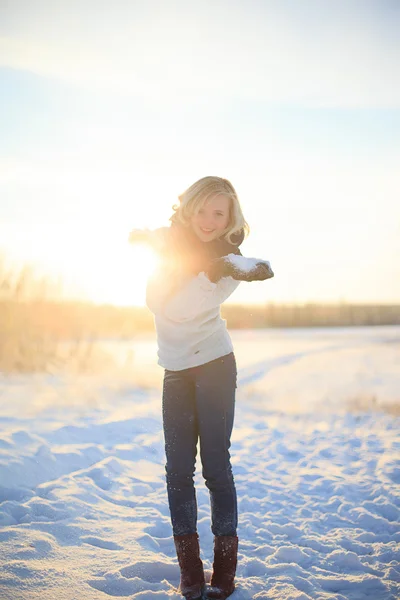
(109, 111)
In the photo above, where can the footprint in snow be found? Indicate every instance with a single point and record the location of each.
(138, 577)
(100, 479)
(100, 543)
(148, 542)
(18, 493)
(36, 549)
(22, 437)
(122, 587)
(13, 513)
(5, 444)
(159, 530)
(153, 572)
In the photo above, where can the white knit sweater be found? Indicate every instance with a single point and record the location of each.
(190, 330)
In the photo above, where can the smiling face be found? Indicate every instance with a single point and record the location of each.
(212, 219)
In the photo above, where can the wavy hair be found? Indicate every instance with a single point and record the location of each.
(194, 198)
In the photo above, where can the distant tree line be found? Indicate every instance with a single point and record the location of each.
(67, 319)
(310, 315)
(32, 333)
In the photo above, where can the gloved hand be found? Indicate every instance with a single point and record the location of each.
(242, 269)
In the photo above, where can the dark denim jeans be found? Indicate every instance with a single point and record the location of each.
(199, 403)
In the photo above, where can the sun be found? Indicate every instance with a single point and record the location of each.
(121, 277)
(95, 266)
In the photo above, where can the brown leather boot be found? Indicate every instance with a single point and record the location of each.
(224, 567)
(192, 573)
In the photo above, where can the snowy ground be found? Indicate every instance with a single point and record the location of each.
(316, 447)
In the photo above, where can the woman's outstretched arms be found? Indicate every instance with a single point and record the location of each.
(181, 298)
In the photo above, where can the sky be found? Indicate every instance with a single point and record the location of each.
(108, 111)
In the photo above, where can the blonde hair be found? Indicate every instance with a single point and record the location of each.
(194, 198)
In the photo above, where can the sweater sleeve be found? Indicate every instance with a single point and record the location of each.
(198, 295)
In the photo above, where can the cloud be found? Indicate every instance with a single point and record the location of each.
(341, 54)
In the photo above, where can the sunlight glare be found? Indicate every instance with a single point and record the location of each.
(126, 276)
(98, 267)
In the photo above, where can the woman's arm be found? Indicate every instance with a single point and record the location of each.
(158, 239)
(210, 289)
(181, 297)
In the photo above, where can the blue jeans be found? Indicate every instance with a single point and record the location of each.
(199, 403)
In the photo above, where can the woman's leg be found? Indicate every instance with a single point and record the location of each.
(215, 400)
(181, 435)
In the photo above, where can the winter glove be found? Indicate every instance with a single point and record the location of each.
(240, 268)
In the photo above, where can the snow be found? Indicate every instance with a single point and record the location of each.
(245, 263)
(316, 448)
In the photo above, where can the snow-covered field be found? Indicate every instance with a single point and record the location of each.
(316, 448)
